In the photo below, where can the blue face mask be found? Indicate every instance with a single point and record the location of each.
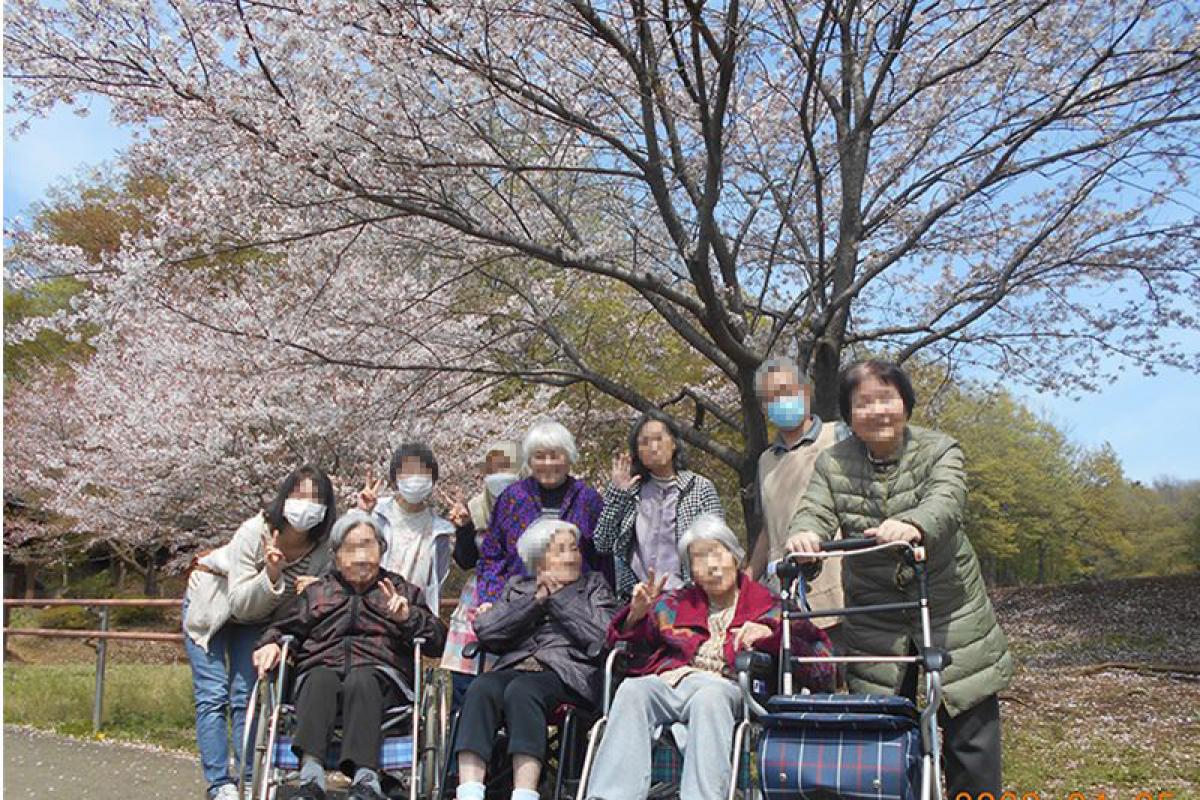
(787, 413)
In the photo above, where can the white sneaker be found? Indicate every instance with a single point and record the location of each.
(228, 791)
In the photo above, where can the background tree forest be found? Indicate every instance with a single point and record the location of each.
(143, 440)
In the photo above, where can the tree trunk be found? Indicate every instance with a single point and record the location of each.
(826, 364)
(31, 572)
(755, 442)
(150, 585)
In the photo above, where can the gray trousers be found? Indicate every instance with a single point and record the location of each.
(709, 706)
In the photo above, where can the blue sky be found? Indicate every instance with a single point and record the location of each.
(1152, 423)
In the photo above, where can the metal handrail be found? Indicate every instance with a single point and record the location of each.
(103, 634)
(99, 602)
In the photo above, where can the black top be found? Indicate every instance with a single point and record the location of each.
(466, 554)
(553, 498)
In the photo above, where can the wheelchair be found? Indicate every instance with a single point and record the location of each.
(666, 759)
(560, 768)
(410, 752)
(846, 745)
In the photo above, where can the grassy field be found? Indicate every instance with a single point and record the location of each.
(142, 702)
(1106, 702)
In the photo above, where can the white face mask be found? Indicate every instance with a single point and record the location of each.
(415, 489)
(303, 515)
(497, 482)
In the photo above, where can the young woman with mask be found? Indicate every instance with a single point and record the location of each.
(233, 593)
(419, 542)
(471, 520)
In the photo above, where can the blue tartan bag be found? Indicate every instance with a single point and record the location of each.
(848, 747)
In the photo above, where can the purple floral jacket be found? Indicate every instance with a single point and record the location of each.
(518, 507)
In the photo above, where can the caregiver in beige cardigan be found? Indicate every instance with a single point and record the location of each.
(897, 482)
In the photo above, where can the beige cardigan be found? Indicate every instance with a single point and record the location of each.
(243, 592)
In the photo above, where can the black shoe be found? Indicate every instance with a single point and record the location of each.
(306, 791)
(363, 791)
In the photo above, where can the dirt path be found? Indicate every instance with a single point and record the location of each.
(41, 766)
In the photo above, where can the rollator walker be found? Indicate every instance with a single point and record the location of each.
(846, 746)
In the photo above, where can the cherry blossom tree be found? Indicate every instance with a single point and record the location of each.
(1001, 185)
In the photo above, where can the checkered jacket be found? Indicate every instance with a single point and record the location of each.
(340, 628)
(615, 531)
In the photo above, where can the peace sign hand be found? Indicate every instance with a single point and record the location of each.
(645, 595)
(273, 556)
(398, 607)
(369, 495)
(622, 467)
(459, 515)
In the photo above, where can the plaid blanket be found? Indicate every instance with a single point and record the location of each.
(666, 766)
(396, 753)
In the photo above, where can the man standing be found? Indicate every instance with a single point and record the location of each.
(784, 470)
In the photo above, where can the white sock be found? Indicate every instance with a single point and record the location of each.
(524, 794)
(469, 791)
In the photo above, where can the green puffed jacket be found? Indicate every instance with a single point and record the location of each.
(926, 487)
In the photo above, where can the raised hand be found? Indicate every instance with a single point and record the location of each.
(750, 634)
(273, 556)
(265, 658)
(645, 595)
(459, 515)
(398, 607)
(622, 473)
(369, 495)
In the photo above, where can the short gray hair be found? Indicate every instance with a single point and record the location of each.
(348, 522)
(535, 541)
(710, 528)
(547, 434)
(777, 364)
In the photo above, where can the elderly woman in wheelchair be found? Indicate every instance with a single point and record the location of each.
(549, 631)
(681, 648)
(354, 633)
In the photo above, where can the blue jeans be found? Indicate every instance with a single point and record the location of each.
(221, 681)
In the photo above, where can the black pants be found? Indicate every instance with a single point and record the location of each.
(523, 700)
(362, 695)
(970, 744)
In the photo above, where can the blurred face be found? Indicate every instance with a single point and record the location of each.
(497, 461)
(305, 489)
(655, 446)
(413, 467)
(549, 467)
(778, 384)
(877, 415)
(714, 569)
(358, 557)
(563, 560)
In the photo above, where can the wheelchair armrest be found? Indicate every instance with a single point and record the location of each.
(754, 662)
(615, 665)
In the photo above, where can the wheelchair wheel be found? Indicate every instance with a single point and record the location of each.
(428, 753)
(265, 779)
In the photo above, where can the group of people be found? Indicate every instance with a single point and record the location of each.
(562, 573)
